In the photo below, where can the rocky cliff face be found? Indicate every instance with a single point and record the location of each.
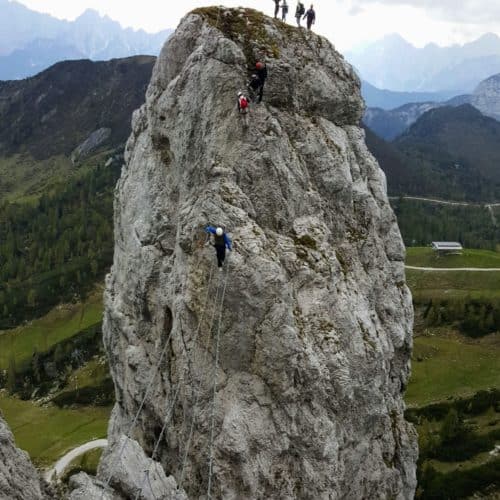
(486, 97)
(18, 478)
(310, 350)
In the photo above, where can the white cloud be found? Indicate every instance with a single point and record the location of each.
(462, 11)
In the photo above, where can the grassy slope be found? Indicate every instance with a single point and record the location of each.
(23, 178)
(48, 433)
(426, 257)
(61, 323)
(445, 363)
(451, 365)
(443, 284)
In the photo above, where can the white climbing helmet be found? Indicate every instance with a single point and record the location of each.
(219, 231)
(240, 94)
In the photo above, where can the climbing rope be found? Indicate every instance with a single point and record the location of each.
(170, 408)
(198, 392)
(210, 467)
(149, 387)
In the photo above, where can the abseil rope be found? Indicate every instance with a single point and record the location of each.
(170, 411)
(198, 391)
(215, 390)
(146, 394)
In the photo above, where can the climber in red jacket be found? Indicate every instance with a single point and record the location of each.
(242, 103)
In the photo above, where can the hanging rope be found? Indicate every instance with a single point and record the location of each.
(210, 467)
(198, 392)
(170, 408)
(149, 387)
(150, 384)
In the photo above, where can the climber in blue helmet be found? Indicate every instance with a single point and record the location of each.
(221, 242)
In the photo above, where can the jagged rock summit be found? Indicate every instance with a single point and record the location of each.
(19, 479)
(310, 350)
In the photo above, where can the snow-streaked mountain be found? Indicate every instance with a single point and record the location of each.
(393, 63)
(31, 41)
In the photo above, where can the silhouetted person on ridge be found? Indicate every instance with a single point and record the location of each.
(221, 242)
(276, 8)
(284, 10)
(299, 12)
(311, 17)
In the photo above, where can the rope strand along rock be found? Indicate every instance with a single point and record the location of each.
(316, 333)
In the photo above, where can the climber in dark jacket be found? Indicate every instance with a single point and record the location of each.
(311, 17)
(221, 242)
(254, 85)
(276, 8)
(299, 12)
(261, 71)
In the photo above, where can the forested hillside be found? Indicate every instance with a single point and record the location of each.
(55, 249)
(450, 153)
(62, 135)
(66, 119)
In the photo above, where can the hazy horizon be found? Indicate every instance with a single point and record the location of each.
(341, 21)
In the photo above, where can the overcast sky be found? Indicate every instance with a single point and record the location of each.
(347, 23)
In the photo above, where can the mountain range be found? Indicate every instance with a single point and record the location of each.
(393, 63)
(390, 99)
(31, 41)
(449, 152)
(52, 123)
(389, 124)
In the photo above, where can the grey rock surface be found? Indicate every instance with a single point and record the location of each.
(89, 145)
(85, 487)
(315, 331)
(133, 473)
(19, 479)
(486, 97)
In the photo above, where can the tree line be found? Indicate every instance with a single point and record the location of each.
(422, 222)
(447, 433)
(472, 317)
(55, 249)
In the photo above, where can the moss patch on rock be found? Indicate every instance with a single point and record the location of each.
(247, 27)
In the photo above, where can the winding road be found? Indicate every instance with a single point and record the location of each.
(64, 461)
(473, 269)
(445, 202)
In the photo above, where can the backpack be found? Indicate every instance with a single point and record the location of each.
(219, 241)
(302, 9)
(243, 102)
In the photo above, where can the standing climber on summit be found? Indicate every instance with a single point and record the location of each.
(276, 8)
(311, 17)
(221, 242)
(284, 10)
(299, 12)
